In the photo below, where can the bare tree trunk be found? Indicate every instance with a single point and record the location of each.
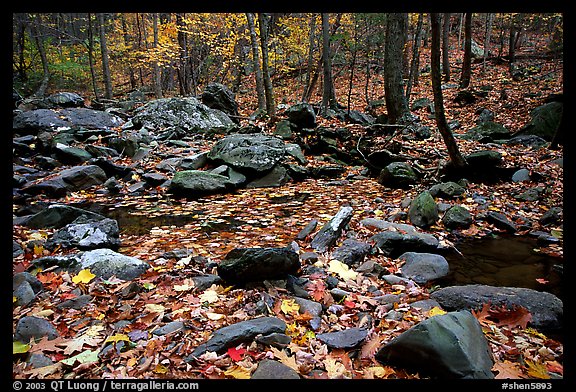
(268, 91)
(155, 67)
(91, 57)
(396, 29)
(467, 61)
(311, 35)
(183, 68)
(446, 47)
(105, 57)
(126, 38)
(256, 63)
(352, 65)
(328, 94)
(460, 23)
(453, 152)
(35, 26)
(415, 63)
(489, 19)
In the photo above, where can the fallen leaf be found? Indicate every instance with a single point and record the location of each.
(289, 306)
(537, 370)
(116, 338)
(436, 311)
(87, 356)
(84, 276)
(236, 353)
(238, 372)
(19, 347)
(342, 270)
(160, 369)
(209, 296)
(506, 370)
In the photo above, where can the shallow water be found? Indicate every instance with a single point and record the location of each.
(504, 261)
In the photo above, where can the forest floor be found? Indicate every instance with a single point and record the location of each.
(268, 217)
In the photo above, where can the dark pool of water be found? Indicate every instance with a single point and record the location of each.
(504, 261)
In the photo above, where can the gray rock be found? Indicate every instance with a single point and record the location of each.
(248, 153)
(36, 361)
(307, 306)
(448, 189)
(545, 120)
(424, 267)
(546, 309)
(487, 131)
(302, 115)
(65, 99)
(32, 327)
(71, 155)
(521, 175)
(331, 231)
(385, 225)
(57, 216)
(34, 121)
(218, 96)
(500, 221)
(279, 340)
(244, 331)
(106, 263)
(22, 277)
(169, 328)
(242, 265)
(278, 176)
(346, 339)
(97, 234)
(449, 346)
(202, 282)
(75, 303)
(24, 294)
(271, 369)
(393, 243)
(185, 113)
(351, 252)
(307, 230)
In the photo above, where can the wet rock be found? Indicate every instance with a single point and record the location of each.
(500, 221)
(546, 309)
(544, 121)
(487, 131)
(24, 294)
(102, 233)
(278, 176)
(449, 346)
(313, 308)
(75, 303)
(447, 190)
(307, 230)
(202, 282)
(242, 265)
(218, 96)
(279, 340)
(302, 115)
(241, 332)
(57, 216)
(351, 252)
(551, 217)
(71, 155)
(169, 328)
(65, 99)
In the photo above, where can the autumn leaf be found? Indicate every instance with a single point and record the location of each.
(334, 368)
(507, 370)
(209, 296)
(286, 359)
(236, 353)
(436, 311)
(289, 306)
(238, 372)
(87, 356)
(155, 308)
(537, 370)
(19, 347)
(116, 338)
(518, 316)
(160, 369)
(369, 348)
(84, 276)
(342, 270)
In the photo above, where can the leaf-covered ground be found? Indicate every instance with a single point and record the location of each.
(272, 217)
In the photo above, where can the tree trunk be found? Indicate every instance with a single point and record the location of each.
(155, 66)
(467, 61)
(105, 57)
(183, 63)
(256, 63)
(41, 91)
(328, 95)
(446, 47)
(91, 57)
(126, 38)
(311, 35)
(488, 33)
(453, 152)
(268, 91)
(415, 63)
(396, 104)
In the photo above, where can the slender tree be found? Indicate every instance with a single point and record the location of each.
(396, 103)
(36, 35)
(487, 36)
(256, 63)
(456, 158)
(328, 94)
(467, 61)
(155, 67)
(446, 47)
(268, 90)
(90, 48)
(105, 56)
(311, 49)
(415, 62)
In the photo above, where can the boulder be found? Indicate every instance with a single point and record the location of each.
(351, 252)
(423, 268)
(34, 121)
(242, 265)
(198, 183)
(32, 327)
(269, 369)
(423, 211)
(217, 96)
(346, 339)
(65, 99)
(544, 121)
(546, 309)
(327, 236)
(57, 216)
(487, 131)
(449, 346)
(302, 115)
(184, 113)
(393, 243)
(248, 153)
(102, 233)
(106, 263)
(457, 217)
(398, 175)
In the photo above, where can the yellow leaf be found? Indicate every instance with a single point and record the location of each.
(289, 306)
(334, 368)
(84, 276)
(19, 347)
(238, 372)
(183, 287)
(436, 311)
(537, 370)
(131, 362)
(116, 338)
(214, 316)
(287, 360)
(160, 369)
(342, 270)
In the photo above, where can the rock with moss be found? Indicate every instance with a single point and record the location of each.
(423, 211)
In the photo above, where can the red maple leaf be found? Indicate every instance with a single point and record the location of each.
(236, 353)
